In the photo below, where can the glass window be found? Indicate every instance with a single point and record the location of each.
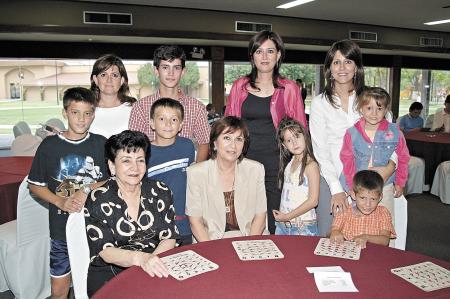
(430, 87)
(377, 76)
(33, 88)
(194, 83)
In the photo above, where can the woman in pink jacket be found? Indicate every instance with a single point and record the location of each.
(262, 99)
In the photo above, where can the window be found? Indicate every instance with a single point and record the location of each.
(14, 90)
(430, 87)
(36, 86)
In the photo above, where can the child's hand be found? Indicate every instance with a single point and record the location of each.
(336, 237)
(361, 241)
(398, 191)
(75, 202)
(279, 216)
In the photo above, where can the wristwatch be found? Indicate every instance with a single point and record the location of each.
(86, 189)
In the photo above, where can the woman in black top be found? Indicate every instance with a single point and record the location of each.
(129, 220)
(262, 99)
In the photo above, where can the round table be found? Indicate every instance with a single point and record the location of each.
(282, 278)
(433, 147)
(12, 171)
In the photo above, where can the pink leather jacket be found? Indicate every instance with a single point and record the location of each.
(286, 101)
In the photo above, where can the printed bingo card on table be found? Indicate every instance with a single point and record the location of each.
(427, 276)
(186, 264)
(345, 250)
(252, 250)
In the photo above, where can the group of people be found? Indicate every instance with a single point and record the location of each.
(413, 121)
(257, 170)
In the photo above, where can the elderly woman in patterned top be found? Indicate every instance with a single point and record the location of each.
(129, 220)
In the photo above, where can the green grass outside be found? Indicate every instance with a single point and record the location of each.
(33, 113)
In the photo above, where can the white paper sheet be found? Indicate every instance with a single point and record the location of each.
(334, 282)
(325, 269)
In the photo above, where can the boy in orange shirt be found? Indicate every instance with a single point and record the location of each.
(364, 221)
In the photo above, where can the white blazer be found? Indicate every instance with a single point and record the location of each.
(204, 195)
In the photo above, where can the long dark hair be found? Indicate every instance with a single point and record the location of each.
(350, 50)
(255, 42)
(102, 64)
(295, 128)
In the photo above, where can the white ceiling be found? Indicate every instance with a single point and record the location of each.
(393, 13)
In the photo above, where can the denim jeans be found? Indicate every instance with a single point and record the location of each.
(293, 230)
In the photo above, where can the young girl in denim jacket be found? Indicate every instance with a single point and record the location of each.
(300, 178)
(371, 142)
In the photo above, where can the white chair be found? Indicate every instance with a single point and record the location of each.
(56, 123)
(441, 182)
(429, 121)
(78, 249)
(416, 176)
(24, 249)
(21, 128)
(25, 145)
(401, 223)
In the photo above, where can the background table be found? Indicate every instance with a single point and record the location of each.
(283, 278)
(433, 147)
(12, 172)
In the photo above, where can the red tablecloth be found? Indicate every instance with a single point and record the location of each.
(285, 278)
(432, 137)
(12, 172)
(433, 147)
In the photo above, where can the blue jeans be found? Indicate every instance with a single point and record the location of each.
(304, 230)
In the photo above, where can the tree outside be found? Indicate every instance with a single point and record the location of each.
(377, 76)
(430, 87)
(235, 71)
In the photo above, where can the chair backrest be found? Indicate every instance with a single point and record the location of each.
(56, 123)
(32, 217)
(401, 221)
(429, 121)
(25, 145)
(21, 128)
(78, 249)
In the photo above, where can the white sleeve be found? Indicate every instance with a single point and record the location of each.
(319, 137)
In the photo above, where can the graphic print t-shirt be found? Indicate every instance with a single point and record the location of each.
(64, 166)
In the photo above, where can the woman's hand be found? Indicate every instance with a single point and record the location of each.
(339, 203)
(153, 265)
(398, 191)
(279, 216)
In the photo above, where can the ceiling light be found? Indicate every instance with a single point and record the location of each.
(438, 22)
(293, 3)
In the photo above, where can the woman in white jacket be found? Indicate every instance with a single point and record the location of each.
(332, 113)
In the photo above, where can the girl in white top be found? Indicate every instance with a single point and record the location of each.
(332, 113)
(109, 81)
(299, 176)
